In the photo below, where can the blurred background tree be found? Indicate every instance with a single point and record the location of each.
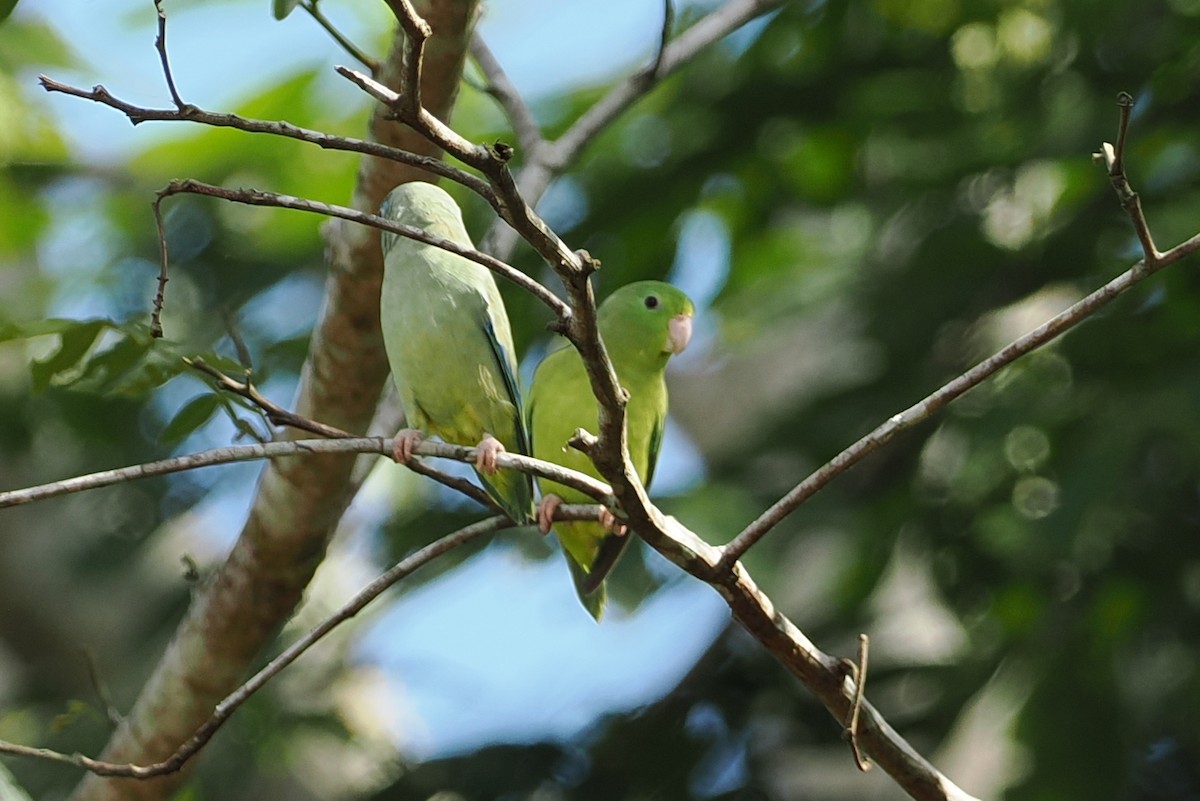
(864, 197)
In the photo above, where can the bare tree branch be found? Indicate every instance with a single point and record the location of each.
(823, 674)
(257, 197)
(858, 674)
(343, 41)
(160, 44)
(492, 162)
(292, 448)
(190, 113)
(689, 44)
(931, 404)
(525, 127)
(416, 31)
(1113, 159)
(277, 415)
(554, 158)
(934, 402)
(164, 258)
(225, 709)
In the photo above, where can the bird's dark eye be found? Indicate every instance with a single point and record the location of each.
(651, 302)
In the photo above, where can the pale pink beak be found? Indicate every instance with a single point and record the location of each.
(679, 333)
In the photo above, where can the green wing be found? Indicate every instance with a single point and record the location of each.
(513, 489)
(656, 436)
(504, 363)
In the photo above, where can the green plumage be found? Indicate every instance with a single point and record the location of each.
(642, 325)
(448, 339)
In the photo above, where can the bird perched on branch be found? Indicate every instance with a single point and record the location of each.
(449, 344)
(642, 324)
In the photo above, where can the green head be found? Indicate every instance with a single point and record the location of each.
(646, 322)
(423, 206)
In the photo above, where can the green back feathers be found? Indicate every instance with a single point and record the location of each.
(448, 338)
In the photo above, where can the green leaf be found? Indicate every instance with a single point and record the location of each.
(194, 414)
(35, 328)
(103, 371)
(281, 8)
(27, 41)
(156, 369)
(74, 345)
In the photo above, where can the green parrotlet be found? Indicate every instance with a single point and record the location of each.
(450, 345)
(642, 324)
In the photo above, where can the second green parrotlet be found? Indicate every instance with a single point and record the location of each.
(642, 324)
(449, 344)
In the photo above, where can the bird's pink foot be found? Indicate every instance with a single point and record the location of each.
(406, 441)
(545, 512)
(486, 452)
(610, 522)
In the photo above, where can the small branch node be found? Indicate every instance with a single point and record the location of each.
(585, 265)
(561, 324)
(583, 441)
(501, 151)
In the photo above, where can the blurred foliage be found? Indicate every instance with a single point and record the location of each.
(866, 197)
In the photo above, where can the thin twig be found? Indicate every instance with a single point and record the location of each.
(191, 113)
(858, 673)
(280, 416)
(664, 39)
(1114, 162)
(239, 344)
(256, 197)
(230, 704)
(160, 295)
(717, 25)
(524, 125)
(1125, 104)
(555, 157)
(276, 414)
(343, 41)
(111, 713)
(492, 162)
(160, 44)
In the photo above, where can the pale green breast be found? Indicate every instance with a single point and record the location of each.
(560, 402)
